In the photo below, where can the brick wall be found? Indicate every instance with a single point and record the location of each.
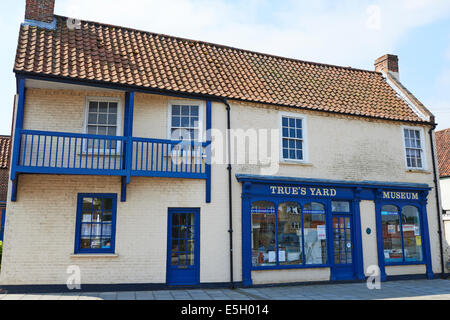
(4, 175)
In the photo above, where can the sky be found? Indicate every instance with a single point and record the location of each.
(344, 32)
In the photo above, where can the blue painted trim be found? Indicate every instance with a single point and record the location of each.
(40, 24)
(196, 280)
(246, 237)
(326, 182)
(208, 150)
(426, 252)
(2, 225)
(128, 133)
(123, 189)
(77, 249)
(18, 127)
(47, 170)
(357, 243)
(163, 174)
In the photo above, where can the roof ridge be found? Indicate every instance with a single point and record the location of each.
(227, 47)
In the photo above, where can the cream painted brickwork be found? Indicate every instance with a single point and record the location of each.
(445, 191)
(41, 224)
(286, 276)
(369, 241)
(41, 231)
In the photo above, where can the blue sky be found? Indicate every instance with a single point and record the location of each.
(345, 32)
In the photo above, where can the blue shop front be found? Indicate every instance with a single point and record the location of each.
(294, 223)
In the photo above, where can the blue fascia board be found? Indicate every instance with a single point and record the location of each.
(367, 184)
(40, 24)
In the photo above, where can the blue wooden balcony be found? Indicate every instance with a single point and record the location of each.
(83, 154)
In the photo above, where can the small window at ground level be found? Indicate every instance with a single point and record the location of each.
(96, 216)
(340, 206)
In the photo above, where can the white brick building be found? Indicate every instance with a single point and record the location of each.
(95, 182)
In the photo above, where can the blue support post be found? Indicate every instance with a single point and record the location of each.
(128, 147)
(208, 150)
(426, 235)
(246, 236)
(17, 136)
(378, 207)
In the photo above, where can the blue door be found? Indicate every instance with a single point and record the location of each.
(183, 247)
(343, 268)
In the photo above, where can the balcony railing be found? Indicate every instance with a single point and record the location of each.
(71, 153)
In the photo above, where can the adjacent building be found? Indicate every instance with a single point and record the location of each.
(126, 164)
(4, 178)
(443, 154)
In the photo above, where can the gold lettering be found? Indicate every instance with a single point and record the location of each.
(325, 192)
(403, 195)
(280, 190)
(397, 195)
(313, 190)
(303, 191)
(333, 193)
(273, 189)
(318, 192)
(295, 191)
(415, 196)
(287, 190)
(385, 195)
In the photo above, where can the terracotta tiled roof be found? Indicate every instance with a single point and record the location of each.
(117, 55)
(443, 152)
(4, 151)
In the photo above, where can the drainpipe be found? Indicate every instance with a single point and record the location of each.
(230, 202)
(438, 207)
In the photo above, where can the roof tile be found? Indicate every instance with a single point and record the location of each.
(125, 56)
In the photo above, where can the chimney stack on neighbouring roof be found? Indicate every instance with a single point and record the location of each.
(40, 10)
(388, 63)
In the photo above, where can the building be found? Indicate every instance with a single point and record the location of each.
(4, 178)
(101, 182)
(443, 155)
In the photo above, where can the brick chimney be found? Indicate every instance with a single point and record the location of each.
(40, 10)
(388, 63)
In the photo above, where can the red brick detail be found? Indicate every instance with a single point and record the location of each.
(40, 10)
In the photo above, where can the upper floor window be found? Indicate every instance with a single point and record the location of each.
(185, 121)
(414, 148)
(293, 138)
(96, 217)
(102, 117)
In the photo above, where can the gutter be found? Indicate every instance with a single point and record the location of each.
(230, 194)
(438, 207)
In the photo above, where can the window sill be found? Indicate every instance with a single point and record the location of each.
(418, 171)
(94, 255)
(296, 163)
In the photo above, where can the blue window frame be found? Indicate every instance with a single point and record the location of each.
(293, 147)
(402, 234)
(96, 223)
(292, 236)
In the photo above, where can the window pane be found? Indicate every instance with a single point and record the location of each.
(289, 234)
(93, 106)
(92, 118)
(392, 241)
(315, 234)
(103, 107)
(113, 107)
(112, 119)
(263, 234)
(412, 238)
(340, 206)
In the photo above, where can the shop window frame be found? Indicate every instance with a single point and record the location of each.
(302, 203)
(400, 207)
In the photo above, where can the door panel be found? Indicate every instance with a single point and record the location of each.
(183, 247)
(343, 247)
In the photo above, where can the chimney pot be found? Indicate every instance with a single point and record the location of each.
(40, 10)
(388, 64)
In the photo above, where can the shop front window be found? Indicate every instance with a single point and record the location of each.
(289, 234)
(315, 233)
(263, 234)
(402, 241)
(411, 234)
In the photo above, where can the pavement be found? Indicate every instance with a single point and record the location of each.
(438, 289)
